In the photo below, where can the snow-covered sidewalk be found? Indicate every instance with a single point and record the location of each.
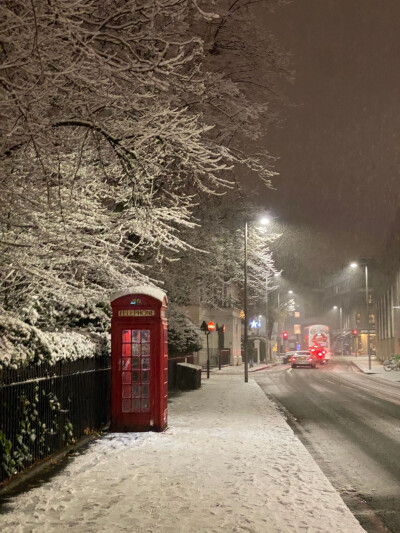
(228, 462)
(377, 371)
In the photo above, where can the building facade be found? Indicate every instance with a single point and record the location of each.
(228, 338)
(219, 305)
(353, 320)
(388, 296)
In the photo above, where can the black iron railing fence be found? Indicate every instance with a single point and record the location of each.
(46, 407)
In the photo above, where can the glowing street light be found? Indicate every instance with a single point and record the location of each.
(264, 220)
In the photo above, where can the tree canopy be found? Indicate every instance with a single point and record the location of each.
(118, 118)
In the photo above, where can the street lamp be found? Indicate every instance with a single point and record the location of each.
(264, 221)
(355, 265)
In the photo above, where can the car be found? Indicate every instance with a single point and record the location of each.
(303, 358)
(284, 358)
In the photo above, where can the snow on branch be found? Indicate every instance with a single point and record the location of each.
(102, 157)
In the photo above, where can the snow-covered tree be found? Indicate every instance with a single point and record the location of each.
(99, 161)
(245, 63)
(213, 273)
(107, 139)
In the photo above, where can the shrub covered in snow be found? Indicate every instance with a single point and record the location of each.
(183, 335)
(62, 314)
(22, 343)
(72, 345)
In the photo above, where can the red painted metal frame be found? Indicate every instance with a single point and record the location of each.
(157, 417)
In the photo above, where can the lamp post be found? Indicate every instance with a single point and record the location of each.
(278, 333)
(246, 369)
(264, 220)
(355, 265)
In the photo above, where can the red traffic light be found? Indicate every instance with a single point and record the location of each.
(211, 326)
(285, 335)
(355, 332)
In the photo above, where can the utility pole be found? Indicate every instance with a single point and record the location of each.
(341, 326)
(367, 301)
(246, 369)
(278, 333)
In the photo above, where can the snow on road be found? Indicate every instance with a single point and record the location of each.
(228, 462)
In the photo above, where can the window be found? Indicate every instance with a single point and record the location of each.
(135, 371)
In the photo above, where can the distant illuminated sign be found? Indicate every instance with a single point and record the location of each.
(255, 324)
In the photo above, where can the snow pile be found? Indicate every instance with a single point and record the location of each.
(227, 463)
(22, 343)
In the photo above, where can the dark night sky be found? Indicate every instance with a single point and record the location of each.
(339, 147)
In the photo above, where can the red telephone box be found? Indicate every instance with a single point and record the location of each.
(139, 360)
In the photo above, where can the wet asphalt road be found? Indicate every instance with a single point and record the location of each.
(350, 423)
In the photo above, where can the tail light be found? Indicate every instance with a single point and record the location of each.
(293, 359)
(310, 358)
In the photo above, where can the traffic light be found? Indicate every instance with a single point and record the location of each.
(204, 326)
(285, 335)
(355, 332)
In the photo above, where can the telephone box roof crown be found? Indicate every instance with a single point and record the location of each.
(148, 290)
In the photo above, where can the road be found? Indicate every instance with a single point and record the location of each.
(350, 423)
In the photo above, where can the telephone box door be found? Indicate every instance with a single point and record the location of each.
(136, 372)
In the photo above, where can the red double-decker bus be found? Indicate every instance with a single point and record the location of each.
(317, 337)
